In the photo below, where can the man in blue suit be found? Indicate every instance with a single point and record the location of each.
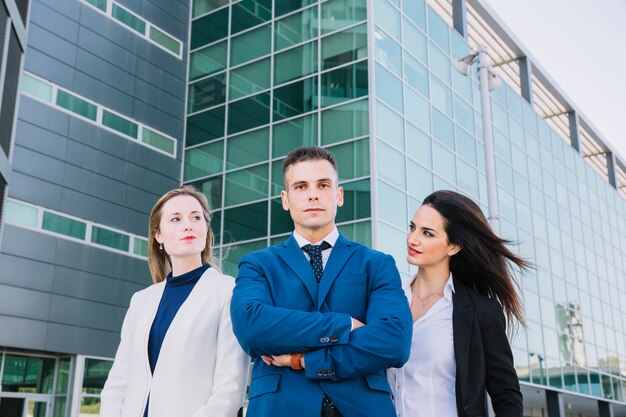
(327, 316)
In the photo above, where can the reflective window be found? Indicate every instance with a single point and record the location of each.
(168, 42)
(63, 225)
(463, 114)
(76, 105)
(294, 133)
(128, 19)
(157, 140)
(100, 4)
(207, 93)
(387, 17)
(140, 247)
(391, 164)
(389, 88)
(247, 149)
(388, 52)
(296, 28)
(207, 61)
(438, 29)
(249, 79)
(249, 113)
(205, 6)
(95, 374)
(415, 42)
(343, 47)
(416, 11)
(389, 126)
(465, 146)
(277, 177)
(345, 122)
(204, 160)
(500, 117)
(417, 109)
(282, 7)
(249, 13)
(281, 221)
(392, 207)
(119, 123)
(443, 128)
(295, 63)
(337, 14)
(205, 126)
(353, 159)
(246, 222)
(459, 46)
(462, 85)
(344, 83)
(468, 179)
(441, 96)
(28, 374)
(358, 232)
(357, 201)
(212, 189)
(296, 98)
(209, 28)
(420, 180)
(416, 75)
(236, 252)
(36, 87)
(418, 145)
(439, 63)
(18, 213)
(246, 185)
(109, 238)
(250, 45)
(444, 162)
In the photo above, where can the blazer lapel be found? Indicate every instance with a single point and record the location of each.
(462, 319)
(147, 318)
(340, 254)
(295, 259)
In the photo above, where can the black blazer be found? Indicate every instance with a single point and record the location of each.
(483, 356)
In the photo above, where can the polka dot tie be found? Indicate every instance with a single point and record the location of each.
(315, 252)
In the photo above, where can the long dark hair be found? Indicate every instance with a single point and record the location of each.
(481, 263)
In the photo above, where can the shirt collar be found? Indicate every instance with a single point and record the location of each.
(448, 289)
(330, 238)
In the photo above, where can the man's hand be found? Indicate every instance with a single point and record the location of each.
(280, 360)
(356, 324)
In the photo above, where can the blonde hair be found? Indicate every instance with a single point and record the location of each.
(158, 260)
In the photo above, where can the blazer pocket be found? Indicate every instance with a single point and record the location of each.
(378, 382)
(263, 385)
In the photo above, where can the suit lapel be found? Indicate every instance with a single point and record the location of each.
(291, 253)
(340, 254)
(462, 319)
(147, 318)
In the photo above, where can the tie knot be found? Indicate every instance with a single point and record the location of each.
(316, 250)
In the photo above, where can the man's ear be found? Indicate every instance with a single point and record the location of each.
(285, 200)
(339, 196)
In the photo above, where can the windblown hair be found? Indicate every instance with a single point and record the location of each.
(484, 262)
(158, 260)
(307, 153)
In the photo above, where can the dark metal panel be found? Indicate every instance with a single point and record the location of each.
(39, 138)
(18, 332)
(42, 115)
(50, 19)
(23, 302)
(101, 163)
(52, 45)
(49, 68)
(80, 340)
(25, 272)
(38, 165)
(83, 313)
(36, 191)
(94, 185)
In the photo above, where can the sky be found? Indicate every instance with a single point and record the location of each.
(581, 45)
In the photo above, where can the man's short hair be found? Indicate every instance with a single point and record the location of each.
(307, 153)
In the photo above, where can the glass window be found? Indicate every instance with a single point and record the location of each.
(129, 19)
(391, 164)
(207, 61)
(468, 179)
(120, 124)
(63, 225)
(36, 87)
(502, 145)
(277, 177)
(418, 145)
(358, 232)
(439, 63)
(140, 246)
(100, 4)
(438, 29)
(337, 14)
(443, 128)
(387, 17)
(388, 52)
(344, 83)
(462, 85)
(353, 159)
(205, 6)
(415, 42)
(465, 146)
(416, 11)
(295, 63)
(109, 238)
(415, 74)
(28, 374)
(356, 201)
(296, 28)
(417, 109)
(205, 126)
(420, 180)
(246, 222)
(463, 114)
(459, 46)
(76, 105)
(95, 374)
(206, 93)
(168, 42)
(248, 148)
(63, 376)
(19, 213)
(343, 47)
(389, 126)
(204, 160)
(444, 161)
(246, 185)
(157, 140)
(345, 122)
(517, 133)
(441, 96)
(281, 221)
(392, 205)
(294, 133)
(212, 189)
(250, 45)
(389, 88)
(209, 28)
(500, 117)
(249, 13)
(249, 79)
(293, 99)
(282, 7)
(249, 113)
(236, 252)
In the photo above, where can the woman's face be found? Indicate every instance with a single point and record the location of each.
(427, 241)
(183, 228)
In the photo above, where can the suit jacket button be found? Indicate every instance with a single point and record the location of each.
(334, 339)
(324, 340)
(320, 372)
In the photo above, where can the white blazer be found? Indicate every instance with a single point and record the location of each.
(201, 372)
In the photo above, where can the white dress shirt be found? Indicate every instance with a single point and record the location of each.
(330, 238)
(425, 385)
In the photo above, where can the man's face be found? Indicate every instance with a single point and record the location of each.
(312, 197)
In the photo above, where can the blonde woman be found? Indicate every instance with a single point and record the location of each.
(178, 355)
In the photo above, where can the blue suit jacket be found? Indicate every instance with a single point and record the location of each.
(277, 307)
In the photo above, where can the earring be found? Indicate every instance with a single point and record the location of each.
(160, 246)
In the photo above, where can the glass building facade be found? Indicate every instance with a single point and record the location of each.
(122, 100)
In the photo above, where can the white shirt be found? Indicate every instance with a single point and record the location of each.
(425, 385)
(330, 238)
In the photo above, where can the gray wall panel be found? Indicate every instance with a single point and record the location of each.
(101, 139)
(41, 139)
(80, 340)
(99, 162)
(92, 208)
(104, 48)
(50, 44)
(85, 285)
(104, 71)
(67, 8)
(156, 182)
(174, 104)
(28, 244)
(136, 222)
(39, 114)
(26, 272)
(97, 186)
(104, 94)
(141, 201)
(49, 68)
(38, 165)
(166, 165)
(154, 75)
(22, 333)
(36, 191)
(23, 302)
(83, 313)
(50, 19)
